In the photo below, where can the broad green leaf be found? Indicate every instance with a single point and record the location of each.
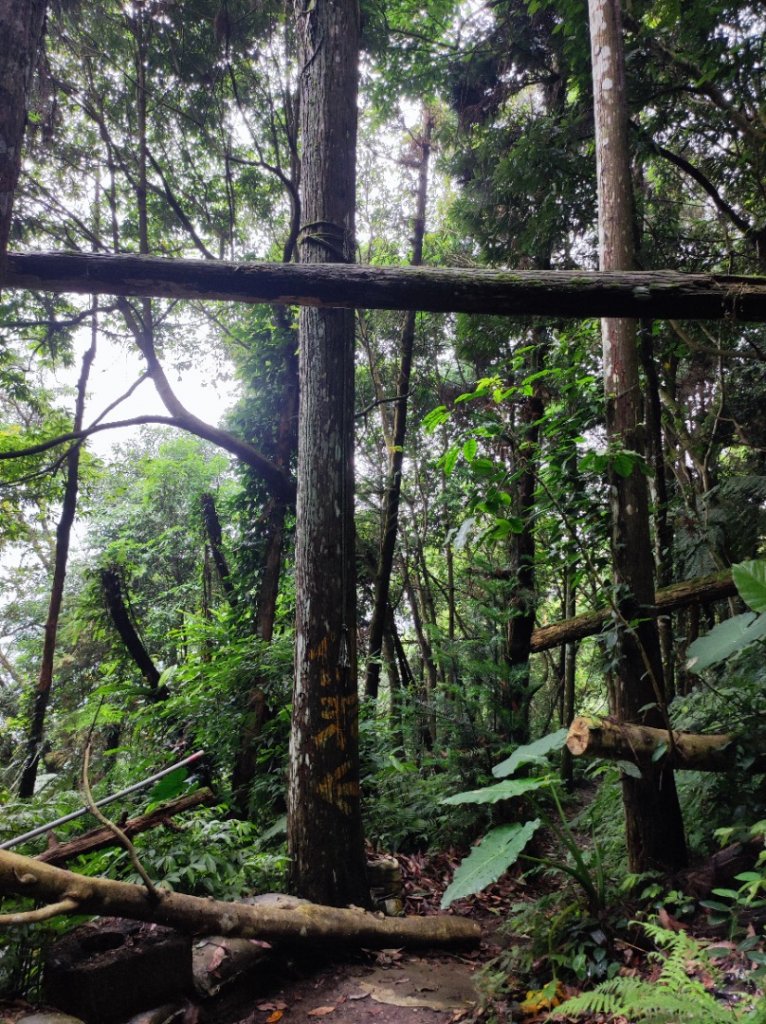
(629, 769)
(750, 580)
(623, 463)
(169, 787)
(448, 461)
(530, 753)
(725, 639)
(483, 467)
(503, 527)
(469, 449)
(502, 791)
(435, 418)
(489, 860)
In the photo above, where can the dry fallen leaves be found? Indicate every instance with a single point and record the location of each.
(320, 1011)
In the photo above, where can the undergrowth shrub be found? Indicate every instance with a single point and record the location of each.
(206, 856)
(402, 800)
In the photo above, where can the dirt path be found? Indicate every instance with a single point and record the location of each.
(393, 988)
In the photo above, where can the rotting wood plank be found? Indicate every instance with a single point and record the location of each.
(553, 293)
(99, 838)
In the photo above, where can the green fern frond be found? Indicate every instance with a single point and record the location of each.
(674, 998)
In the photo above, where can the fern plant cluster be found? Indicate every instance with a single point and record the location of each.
(677, 996)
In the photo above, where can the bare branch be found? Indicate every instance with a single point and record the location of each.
(116, 831)
(66, 906)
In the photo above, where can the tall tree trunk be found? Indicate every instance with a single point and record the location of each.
(21, 29)
(259, 711)
(569, 668)
(663, 528)
(325, 839)
(515, 695)
(63, 535)
(390, 524)
(395, 688)
(655, 835)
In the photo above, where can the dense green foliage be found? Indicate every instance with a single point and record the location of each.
(171, 128)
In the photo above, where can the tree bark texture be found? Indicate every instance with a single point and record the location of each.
(703, 590)
(291, 923)
(390, 523)
(639, 744)
(21, 29)
(325, 839)
(99, 838)
(660, 294)
(654, 826)
(63, 536)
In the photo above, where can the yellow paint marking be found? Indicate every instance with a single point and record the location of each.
(320, 651)
(335, 710)
(334, 791)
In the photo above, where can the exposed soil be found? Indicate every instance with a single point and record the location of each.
(389, 988)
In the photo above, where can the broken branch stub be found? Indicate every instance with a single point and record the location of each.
(640, 744)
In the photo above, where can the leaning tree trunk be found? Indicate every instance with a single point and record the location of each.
(122, 622)
(655, 834)
(63, 535)
(21, 28)
(325, 840)
(705, 590)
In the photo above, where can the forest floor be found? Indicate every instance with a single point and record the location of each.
(396, 986)
(390, 986)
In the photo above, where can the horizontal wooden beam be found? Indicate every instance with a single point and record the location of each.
(702, 590)
(552, 293)
(641, 745)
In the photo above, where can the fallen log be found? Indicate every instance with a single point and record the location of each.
(642, 745)
(702, 590)
(98, 838)
(552, 293)
(288, 923)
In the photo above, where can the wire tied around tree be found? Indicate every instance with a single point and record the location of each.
(331, 236)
